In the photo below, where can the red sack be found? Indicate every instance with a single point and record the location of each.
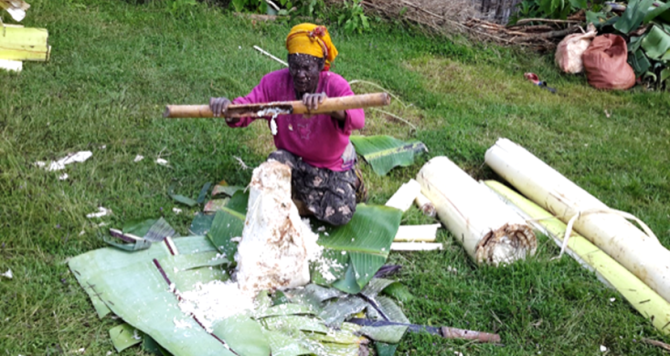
(605, 63)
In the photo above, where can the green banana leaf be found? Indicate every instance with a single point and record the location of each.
(227, 224)
(124, 336)
(639, 61)
(286, 309)
(151, 346)
(238, 202)
(634, 43)
(130, 285)
(304, 335)
(312, 295)
(665, 74)
(141, 296)
(339, 310)
(384, 349)
(201, 224)
(632, 18)
(140, 227)
(228, 190)
(283, 344)
(656, 43)
(390, 333)
(361, 247)
(137, 288)
(376, 286)
(384, 153)
(243, 335)
(391, 310)
(663, 11)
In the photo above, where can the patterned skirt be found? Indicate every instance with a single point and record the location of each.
(331, 196)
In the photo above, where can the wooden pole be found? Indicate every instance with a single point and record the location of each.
(280, 108)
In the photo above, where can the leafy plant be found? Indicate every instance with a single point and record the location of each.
(558, 9)
(180, 8)
(258, 6)
(310, 8)
(352, 17)
(646, 24)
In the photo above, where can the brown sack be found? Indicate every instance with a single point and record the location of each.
(569, 51)
(605, 63)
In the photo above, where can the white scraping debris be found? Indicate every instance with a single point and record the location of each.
(273, 127)
(161, 161)
(276, 245)
(80, 156)
(138, 158)
(102, 211)
(214, 301)
(8, 274)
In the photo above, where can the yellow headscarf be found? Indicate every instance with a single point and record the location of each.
(311, 39)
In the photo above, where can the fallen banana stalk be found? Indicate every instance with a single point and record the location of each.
(422, 233)
(640, 253)
(425, 205)
(18, 43)
(646, 301)
(405, 195)
(11, 65)
(491, 232)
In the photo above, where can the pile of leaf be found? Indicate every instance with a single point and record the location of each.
(645, 24)
(137, 281)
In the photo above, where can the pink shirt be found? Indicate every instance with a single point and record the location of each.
(319, 140)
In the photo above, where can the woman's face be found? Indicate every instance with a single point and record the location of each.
(304, 70)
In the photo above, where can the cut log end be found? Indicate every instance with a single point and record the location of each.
(507, 244)
(386, 99)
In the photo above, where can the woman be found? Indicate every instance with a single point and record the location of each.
(325, 181)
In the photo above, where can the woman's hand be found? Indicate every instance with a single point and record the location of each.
(219, 106)
(312, 102)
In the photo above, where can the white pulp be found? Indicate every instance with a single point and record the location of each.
(277, 246)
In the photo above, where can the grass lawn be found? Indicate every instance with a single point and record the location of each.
(115, 65)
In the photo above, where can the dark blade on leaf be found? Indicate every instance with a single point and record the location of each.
(387, 270)
(203, 193)
(184, 200)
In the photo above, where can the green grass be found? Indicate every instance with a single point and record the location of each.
(115, 65)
